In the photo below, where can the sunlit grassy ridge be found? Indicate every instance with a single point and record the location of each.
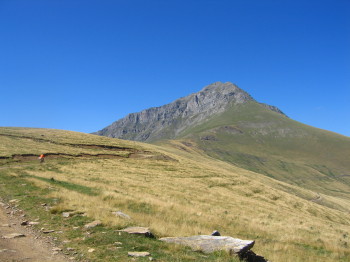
(261, 140)
(186, 193)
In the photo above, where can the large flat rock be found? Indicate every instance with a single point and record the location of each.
(138, 231)
(209, 244)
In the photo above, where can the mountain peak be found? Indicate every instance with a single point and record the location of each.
(168, 121)
(227, 91)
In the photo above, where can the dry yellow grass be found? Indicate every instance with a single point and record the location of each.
(194, 194)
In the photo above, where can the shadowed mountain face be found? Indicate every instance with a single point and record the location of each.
(226, 123)
(171, 120)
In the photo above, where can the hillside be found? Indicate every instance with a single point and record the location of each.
(226, 123)
(176, 190)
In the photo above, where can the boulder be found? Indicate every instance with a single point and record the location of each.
(209, 244)
(138, 231)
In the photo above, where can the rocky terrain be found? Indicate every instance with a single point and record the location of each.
(170, 120)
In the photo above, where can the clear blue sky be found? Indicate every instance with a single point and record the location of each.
(82, 64)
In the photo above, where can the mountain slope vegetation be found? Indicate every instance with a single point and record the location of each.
(176, 190)
(226, 123)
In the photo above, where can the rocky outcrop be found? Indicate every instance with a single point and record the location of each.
(170, 120)
(209, 244)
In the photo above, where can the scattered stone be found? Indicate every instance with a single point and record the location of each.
(118, 243)
(5, 225)
(43, 204)
(93, 224)
(48, 231)
(13, 235)
(91, 250)
(70, 249)
(33, 223)
(209, 244)
(216, 233)
(14, 201)
(24, 223)
(138, 231)
(138, 254)
(57, 249)
(121, 214)
(67, 214)
(71, 258)
(55, 253)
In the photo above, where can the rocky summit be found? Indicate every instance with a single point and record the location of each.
(169, 121)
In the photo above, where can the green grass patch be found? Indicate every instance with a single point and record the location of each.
(67, 185)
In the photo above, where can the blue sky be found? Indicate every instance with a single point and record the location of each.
(82, 64)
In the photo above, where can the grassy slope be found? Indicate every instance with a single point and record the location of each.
(186, 193)
(263, 141)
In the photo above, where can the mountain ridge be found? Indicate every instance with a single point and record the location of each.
(168, 121)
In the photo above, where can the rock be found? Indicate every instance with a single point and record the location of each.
(138, 254)
(93, 224)
(91, 250)
(67, 214)
(121, 214)
(24, 223)
(5, 225)
(34, 223)
(209, 244)
(13, 235)
(57, 249)
(118, 243)
(70, 249)
(48, 231)
(14, 201)
(216, 233)
(138, 230)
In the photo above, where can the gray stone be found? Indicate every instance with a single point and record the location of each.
(93, 224)
(138, 231)
(48, 231)
(138, 254)
(13, 235)
(209, 244)
(67, 214)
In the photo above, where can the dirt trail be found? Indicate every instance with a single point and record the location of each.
(32, 247)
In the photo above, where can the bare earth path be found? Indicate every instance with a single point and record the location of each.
(31, 247)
